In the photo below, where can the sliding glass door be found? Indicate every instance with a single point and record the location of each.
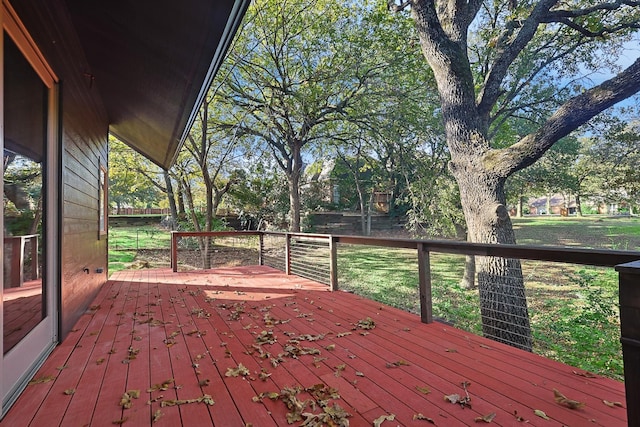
(29, 209)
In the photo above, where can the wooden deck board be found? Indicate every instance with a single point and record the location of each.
(192, 327)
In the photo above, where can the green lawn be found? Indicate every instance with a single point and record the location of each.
(127, 243)
(573, 309)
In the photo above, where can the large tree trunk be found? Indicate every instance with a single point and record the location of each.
(519, 206)
(578, 205)
(503, 304)
(172, 199)
(294, 189)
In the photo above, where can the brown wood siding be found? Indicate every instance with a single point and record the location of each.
(84, 148)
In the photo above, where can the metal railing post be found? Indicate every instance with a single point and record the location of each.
(260, 249)
(287, 254)
(333, 263)
(629, 280)
(424, 283)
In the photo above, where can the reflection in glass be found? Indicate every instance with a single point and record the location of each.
(25, 112)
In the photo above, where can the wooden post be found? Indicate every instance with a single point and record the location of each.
(287, 254)
(261, 249)
(424, 283)
(629, 279)
(333, 263)
(174, 252)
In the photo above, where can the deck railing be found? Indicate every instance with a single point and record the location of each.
(322, 257)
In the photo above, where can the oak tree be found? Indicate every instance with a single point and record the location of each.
(493, 61)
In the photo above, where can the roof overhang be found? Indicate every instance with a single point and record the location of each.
(153, 62)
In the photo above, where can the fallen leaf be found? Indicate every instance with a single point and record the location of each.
(120, 421)
(69, 391)
(423, 390)
(397, 364)
(585, 374)
(486, 418)
(451, 350)
(541, 414)
(569, 403)
(164, 386)
(378, 421)
(156, 416)
(42, 380)
(100, 361)
(175, 402)
(612, 404)
(359, 374)
(424, 418)
(241, 370)
(367, 323)
(453, 398)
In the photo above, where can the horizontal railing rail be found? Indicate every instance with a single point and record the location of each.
(315, 256)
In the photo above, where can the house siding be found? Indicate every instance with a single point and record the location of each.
(84, 136)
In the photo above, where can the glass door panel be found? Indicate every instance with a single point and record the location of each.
(25, 137)
(30, 208)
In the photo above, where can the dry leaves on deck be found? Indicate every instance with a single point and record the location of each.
(423, 418)
(42, 380)
(613, 404)
(321, 394)
(126, 400)
(367, 323)
(241, 370)
(161, 387)
(175, 402)
(541, 414)
(486, 418)
(378, 421)
(569, 403)
(456, 398)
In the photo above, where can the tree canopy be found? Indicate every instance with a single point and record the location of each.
(501, 62)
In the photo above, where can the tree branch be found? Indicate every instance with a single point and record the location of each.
(490, 92)
(571, 115)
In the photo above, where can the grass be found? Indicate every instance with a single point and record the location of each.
(573, 309)
(126, 243)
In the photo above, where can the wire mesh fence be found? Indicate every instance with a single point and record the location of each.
(206, 252)
(566, 312)
(310, 258)
(274, 250)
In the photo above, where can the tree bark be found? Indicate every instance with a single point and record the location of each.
(578, 205)
(519, 206)
(172, 199)
(481, 170)
(469, 276)
(503, 304)
(294, 188)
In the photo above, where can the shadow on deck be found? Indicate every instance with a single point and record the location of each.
(178, 340)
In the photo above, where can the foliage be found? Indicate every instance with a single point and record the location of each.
(504, 62)
(308, 74)
(575, 318)
(584, 323)
(217, 224)
(131, 178)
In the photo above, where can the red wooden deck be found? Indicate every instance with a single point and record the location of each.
(174, 337)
